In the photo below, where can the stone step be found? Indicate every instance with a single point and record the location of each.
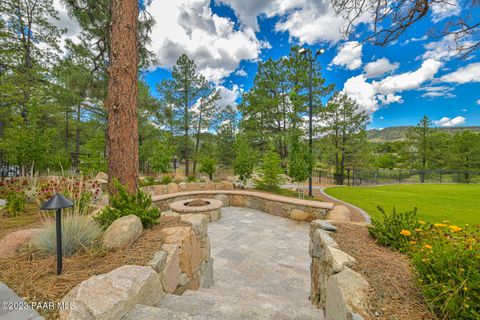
(212, 304)
(10, 298)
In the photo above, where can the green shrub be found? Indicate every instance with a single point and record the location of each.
(78, 232)
(270, 172)
(167, 179)
(124, 204)
(393, 230)
(207, 165)
(16, 203)
(147, 181)
(191, 178)
(447, 259)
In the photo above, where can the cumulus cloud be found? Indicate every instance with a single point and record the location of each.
(308, 21)
(447, 122)
(469, 73)
(444, 9)
(478, 102)
(241, 73)
(379, 67)
(349, 55)
(214, 42)
(229, 96)
(446, 48)
(370, 95)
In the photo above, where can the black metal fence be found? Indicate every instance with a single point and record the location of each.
(378, 177)
(8, 169)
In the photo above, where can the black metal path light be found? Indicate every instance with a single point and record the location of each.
(310, 58)
(58, 202)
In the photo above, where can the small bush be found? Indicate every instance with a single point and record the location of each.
(78, 232)
(270, 172)
(191, 178)
(147, 181)
(124, 204)
(394, 230)
(167, 179)
(16, 203)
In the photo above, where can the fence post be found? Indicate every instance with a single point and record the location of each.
(348, 176)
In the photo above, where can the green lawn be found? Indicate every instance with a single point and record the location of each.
(459, 203)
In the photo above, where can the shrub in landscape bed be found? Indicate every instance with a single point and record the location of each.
(78, 232)
(270, 172)
(167, 179)
(124, 204)
(147, 181)
(16, 203)
(191, 178)
(446, 258)
(392, 230)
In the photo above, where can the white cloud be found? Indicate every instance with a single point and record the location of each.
(447, 122)
(444, 9)
(349, 55)
(469, 73)
(478, 102)
(438, 91)
(369, 95)
(445, 49)
(241, 73)
(306, 20)
(72, 27)
(390, 98)
(381, 118)
(464, 110)
(409, 80)
(362, 92)
(379, 67)
(422, 38)
(190, 27)
(229, 96)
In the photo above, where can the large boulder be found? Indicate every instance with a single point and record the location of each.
(300, 215)
(347, 293)
(170, 274)
(339, 213)
(189, 245)
(159, 189)
(182, 186)
(12, 241)
(112, 295)
(123, 232)
(226, 185)
(209, 185)
(224, 198)
(101, 176)
(172, 187)
(199, 223)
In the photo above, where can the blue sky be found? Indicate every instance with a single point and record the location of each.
(417, 75)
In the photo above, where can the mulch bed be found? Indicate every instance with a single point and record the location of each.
(393, 294)
(33, 277)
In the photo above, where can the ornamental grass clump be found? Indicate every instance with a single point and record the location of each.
(79, 232)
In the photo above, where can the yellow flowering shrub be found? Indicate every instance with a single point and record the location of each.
(446, 258)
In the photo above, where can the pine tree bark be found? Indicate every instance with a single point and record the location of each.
(122, 96)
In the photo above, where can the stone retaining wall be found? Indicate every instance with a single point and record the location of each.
(183, 263)
(335, 288)
(286, 207)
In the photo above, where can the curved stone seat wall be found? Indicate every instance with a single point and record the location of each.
(286, 207)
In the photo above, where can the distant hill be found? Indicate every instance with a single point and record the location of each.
(400, 133)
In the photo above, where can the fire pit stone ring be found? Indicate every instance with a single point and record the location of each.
(209, 207)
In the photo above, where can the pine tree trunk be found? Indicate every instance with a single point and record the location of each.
(122, 96)
(197, 142)
(77, 140)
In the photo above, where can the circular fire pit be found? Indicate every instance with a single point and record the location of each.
(208, 207)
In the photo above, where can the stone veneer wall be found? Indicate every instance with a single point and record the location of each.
(335, 288)
(297, 209)
(183, 263)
